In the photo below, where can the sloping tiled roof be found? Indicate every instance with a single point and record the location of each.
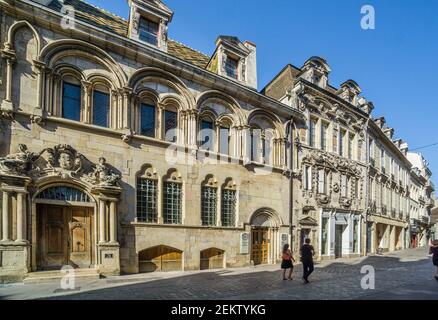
(278, 87)
(107, 21)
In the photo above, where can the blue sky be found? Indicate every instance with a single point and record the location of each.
(395, 64)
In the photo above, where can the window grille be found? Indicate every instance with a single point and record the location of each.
(172, 203)
(147, 200)
(64, 193)
(209, 206)
(228, 208)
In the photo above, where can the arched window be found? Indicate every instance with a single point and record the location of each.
(256, 148)
(64, 193)
(209, 202)
(228, 204)
(147, 118)
(71, 98)
(207, 133)
(172, 199)
(147, 197)
(101, 106)
(170, 124)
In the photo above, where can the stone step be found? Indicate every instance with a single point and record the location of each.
(57, 275)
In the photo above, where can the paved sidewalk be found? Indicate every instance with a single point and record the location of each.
(401, 275)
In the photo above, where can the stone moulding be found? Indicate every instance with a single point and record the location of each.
(60, 161)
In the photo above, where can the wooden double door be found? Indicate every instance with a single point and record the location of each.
(260, 245)
(64, 237)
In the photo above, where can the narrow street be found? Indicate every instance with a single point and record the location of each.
(401, 275)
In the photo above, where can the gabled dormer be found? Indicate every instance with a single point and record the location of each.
(381, 121)
(235, 60)
(148, 22)
(316, 71)
(365, 105)
(350, 91)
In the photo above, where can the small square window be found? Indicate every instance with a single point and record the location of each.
(148, 31)
(231, 67)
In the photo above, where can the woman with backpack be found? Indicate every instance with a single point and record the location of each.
(287, 262)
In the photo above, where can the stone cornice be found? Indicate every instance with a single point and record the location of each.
(330, 96)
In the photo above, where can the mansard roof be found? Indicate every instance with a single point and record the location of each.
(107, 21)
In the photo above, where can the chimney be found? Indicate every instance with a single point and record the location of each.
(380, 122)
(251, 65)
(398, 142)
(404, 147)
(389, 132)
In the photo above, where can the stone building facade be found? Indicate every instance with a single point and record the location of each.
(422, 201)
(330, 184)
(124, 151)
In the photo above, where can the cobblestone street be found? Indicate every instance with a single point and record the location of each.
(401, 275)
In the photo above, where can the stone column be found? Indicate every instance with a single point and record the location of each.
(160, 126)
(9, 56)
(113, 222)
(21, 213)
(40, 71)
(5, 216)
(102, 222)
(127, 92)
(86, 112)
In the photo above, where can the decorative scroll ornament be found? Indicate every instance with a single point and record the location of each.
(331, 161)
(60, 161)
(7, 115)
(18, 163)
(345, 202)
(322, 199)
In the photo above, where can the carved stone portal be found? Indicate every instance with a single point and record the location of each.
(63, 161)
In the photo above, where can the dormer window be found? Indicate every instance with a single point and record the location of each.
(235, 60)
(148, 31)
(148, 22)
(231, 67)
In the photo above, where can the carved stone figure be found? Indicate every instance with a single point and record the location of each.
(19, 163)
(104, 175)
(346, 203)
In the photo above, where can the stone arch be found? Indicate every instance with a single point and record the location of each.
(13, 29)
(54, 191)
(148, 171)
(266, 217)
(58, 49)
(160, 258)
(270, 118)
(23, 46)
(212, 258)
(222, 98)
(160, 76)
(52, 181)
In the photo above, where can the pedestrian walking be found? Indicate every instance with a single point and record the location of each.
(307, 252)
(434, 252)
(287, 262)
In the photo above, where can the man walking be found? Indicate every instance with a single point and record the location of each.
(307, 252)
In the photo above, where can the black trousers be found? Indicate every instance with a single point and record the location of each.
(307, 269)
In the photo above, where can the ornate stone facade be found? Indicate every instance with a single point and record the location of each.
(124, 151)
